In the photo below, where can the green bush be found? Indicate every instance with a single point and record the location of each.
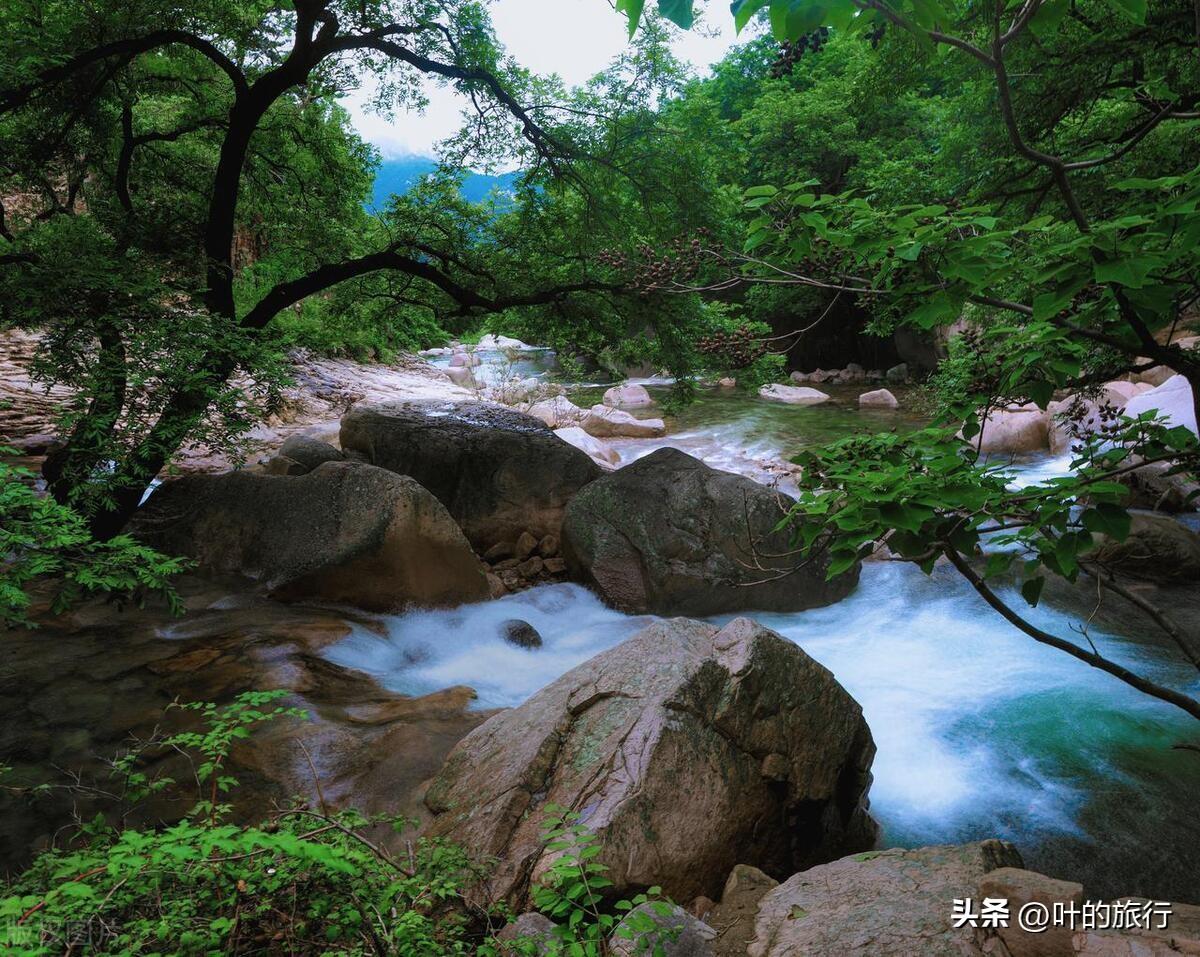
(306, 881)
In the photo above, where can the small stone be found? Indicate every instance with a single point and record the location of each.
(775, 767)
(525, 546)
(498, 552)
(530, 567)
(879, 399)
(506, 564)
(555, 566)
(520, 633)
(897, 373)
(548, 546)
(510, 579)
(531, 927)
(496, 586)
(701, 907)
(727, 382)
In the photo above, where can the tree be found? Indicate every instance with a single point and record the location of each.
(182, 176)
(1075, 262)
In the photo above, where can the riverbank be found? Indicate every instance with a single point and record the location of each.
(980, 732)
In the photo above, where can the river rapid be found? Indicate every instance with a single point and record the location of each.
(981, 732)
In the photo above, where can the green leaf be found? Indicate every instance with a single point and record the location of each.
(1134, 10)
(743, 10)
(633, 10)
(1049, 17)
(679, 12)
(1031, 590)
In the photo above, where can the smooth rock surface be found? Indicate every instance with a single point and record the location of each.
(498, 472)
(1173, 399)
(345, 532)
(894, 903)
(605, 422)
(659, 745)
(603, 455)
(878, 399)
(793, 395)
(669, 535)
(627, 395)
(1014, 430)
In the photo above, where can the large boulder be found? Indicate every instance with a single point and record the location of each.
(793, 395)
(895, 903)
(628, 395)
(499, 472)
(686, 749)
(1016, 429)
(1157, 549)
(309, 451)
(344, 532)
(669, 535)
(1173, 399)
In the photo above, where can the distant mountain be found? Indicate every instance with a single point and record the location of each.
(400, 175)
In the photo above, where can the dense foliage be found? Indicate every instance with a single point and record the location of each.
(307, 881)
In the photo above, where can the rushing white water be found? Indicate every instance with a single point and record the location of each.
(981, 732)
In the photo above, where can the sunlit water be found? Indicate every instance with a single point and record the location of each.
(981, 732)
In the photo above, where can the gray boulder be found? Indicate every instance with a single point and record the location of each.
(686, 749)
(309, 452)
(1158, 549)
(345, 532)
(669, 535)
(667, 927)
(499, 472)
(895, 903)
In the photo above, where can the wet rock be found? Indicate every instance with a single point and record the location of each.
(309, 452)
(1157, 549)
(496, 587)
(897, 373)
(599, 452)
(464, 360)
(793, 395)
(345, 532)
(555, 566)
(727, 382)
(548, 546)
(604, 422)
(669, 535)
(675, 933)
(520, 633)
(894, 903)
(498, 472)
(878, 399)
(627, 396)
(659, 742)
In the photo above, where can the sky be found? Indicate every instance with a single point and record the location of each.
(573, 38)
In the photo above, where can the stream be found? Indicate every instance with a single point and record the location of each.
(981, 732)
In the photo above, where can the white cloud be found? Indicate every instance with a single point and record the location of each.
(574, 38)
